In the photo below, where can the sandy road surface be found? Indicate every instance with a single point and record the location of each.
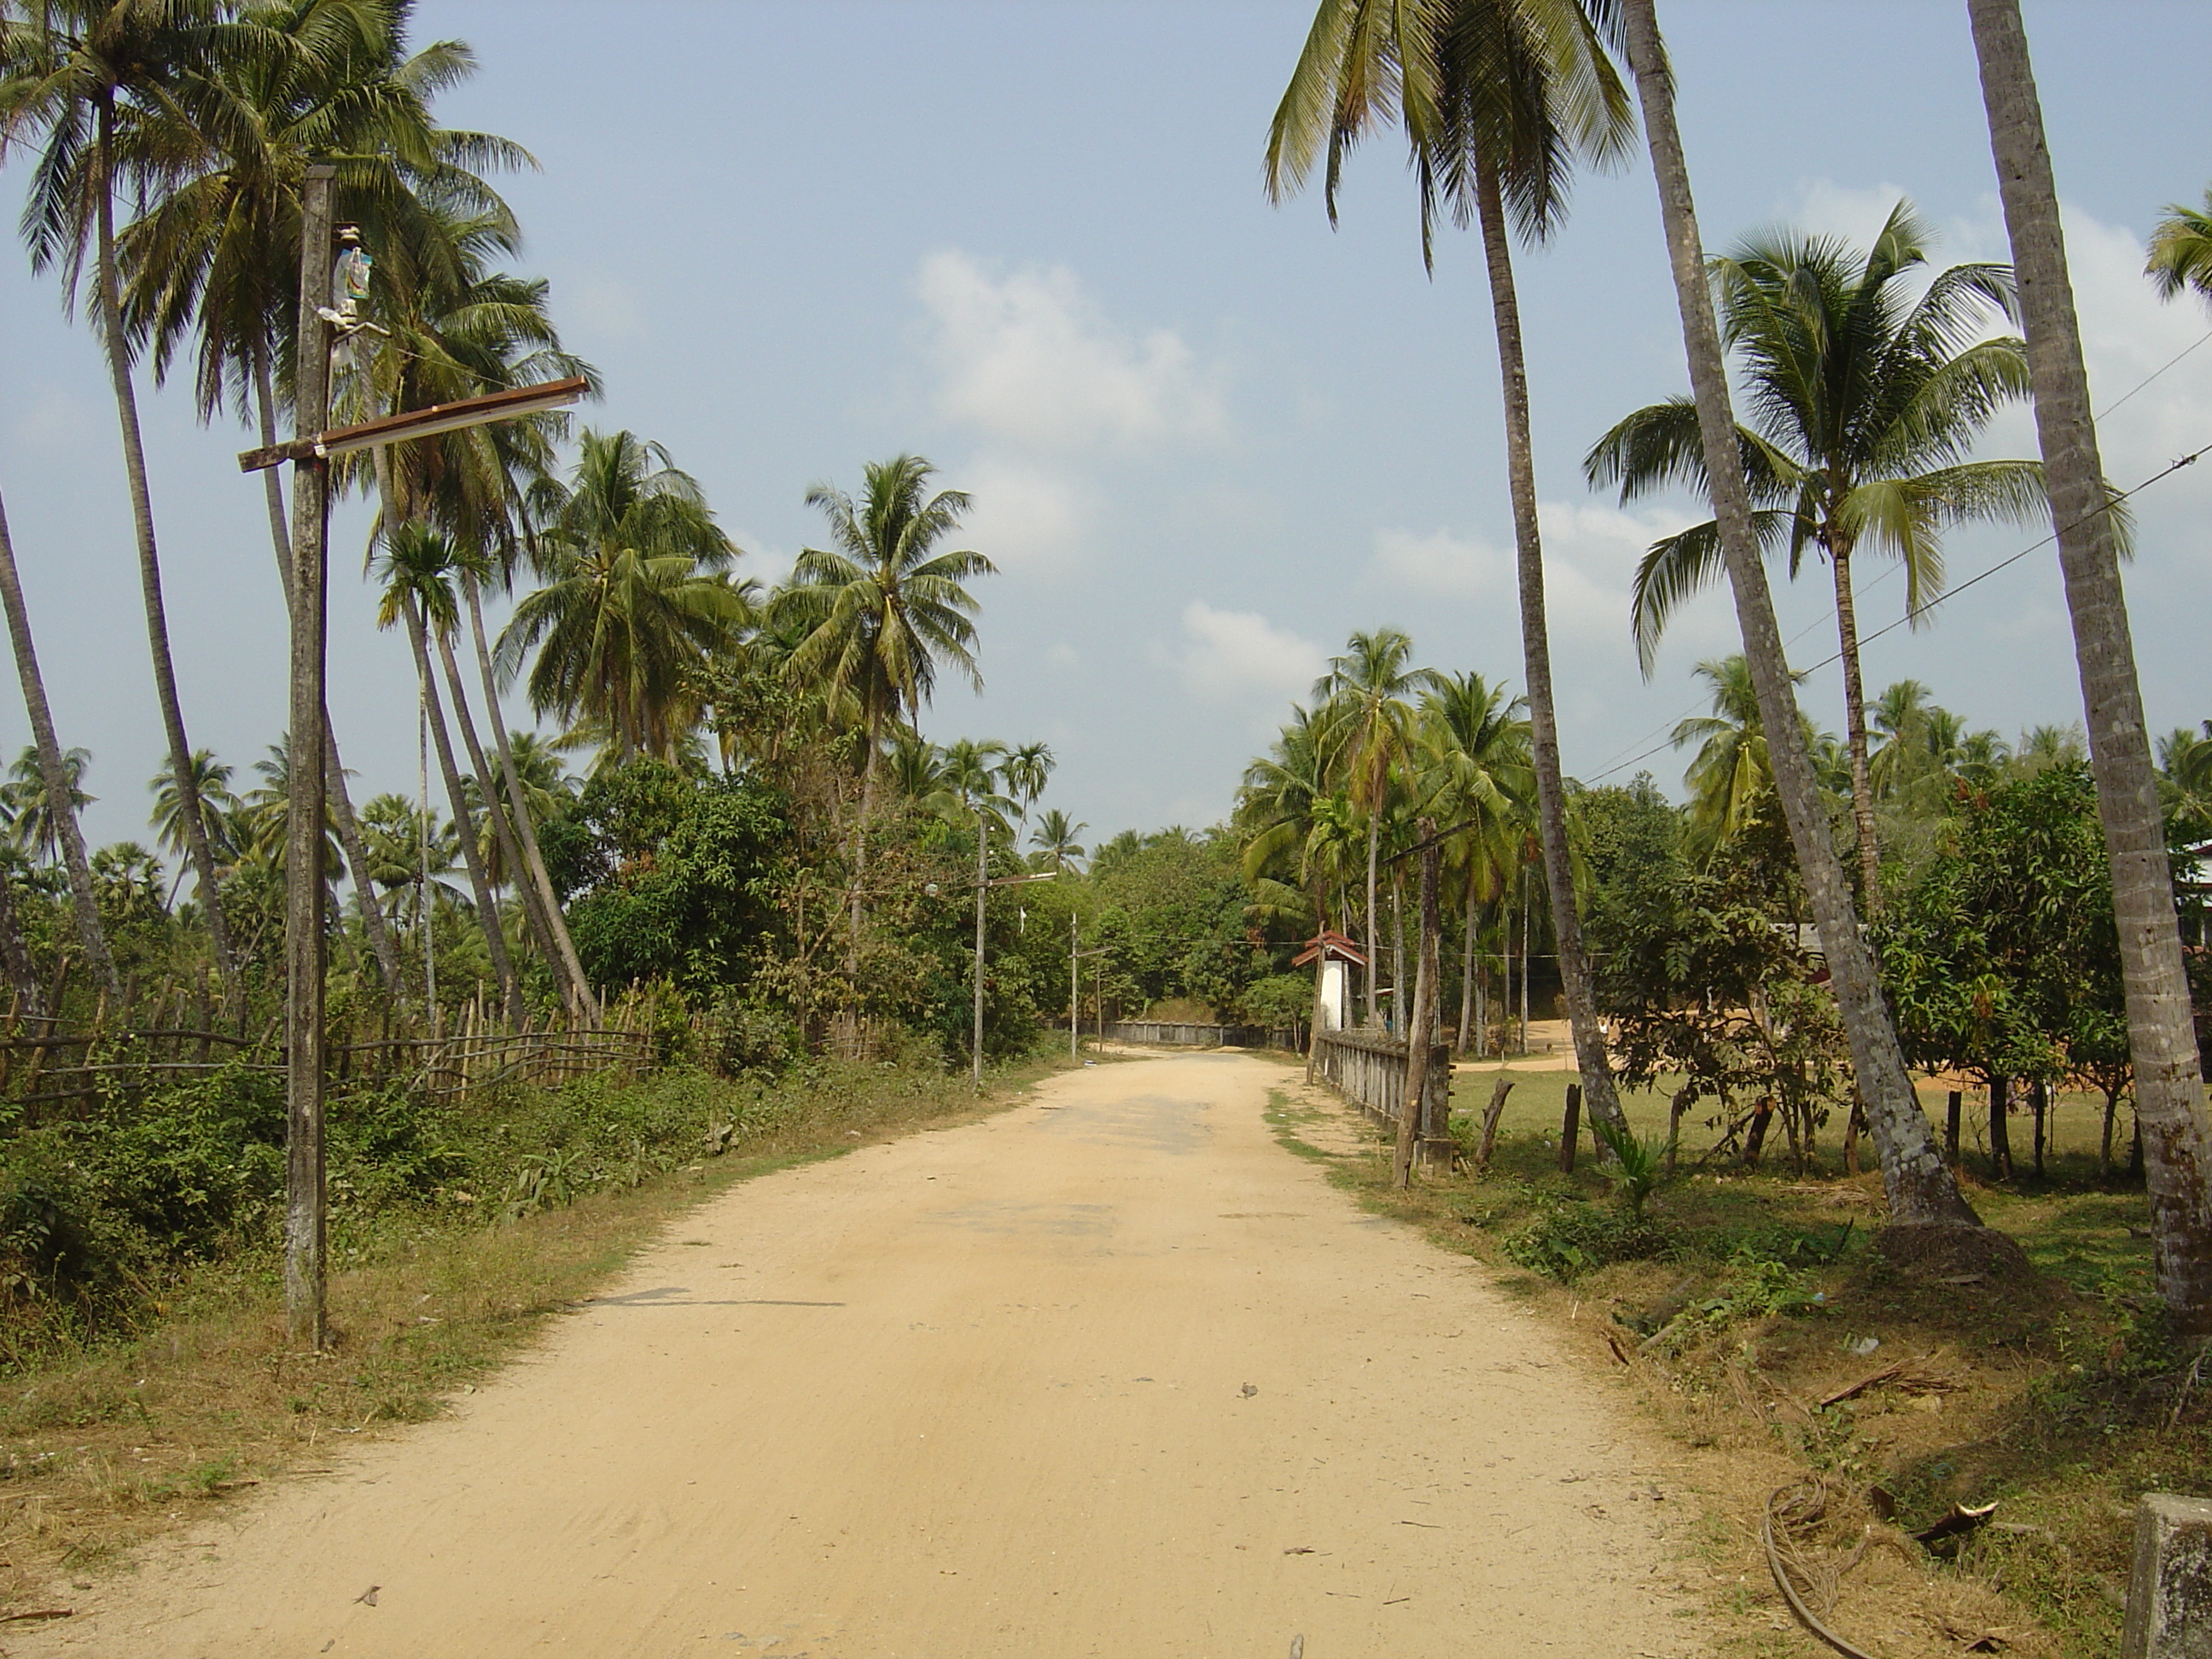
(980, 1393)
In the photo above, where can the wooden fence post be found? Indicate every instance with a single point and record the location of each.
(1571, 1129)
(1954, 1105)
(1495, 1110)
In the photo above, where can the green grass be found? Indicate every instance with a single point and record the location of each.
(2060, 1402)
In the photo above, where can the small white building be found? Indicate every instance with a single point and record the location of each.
(1333, 953)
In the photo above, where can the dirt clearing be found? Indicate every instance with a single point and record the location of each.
(1109, 1374)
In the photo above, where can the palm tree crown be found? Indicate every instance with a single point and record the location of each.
(1865, 405)
(637, 596)
(883, 608)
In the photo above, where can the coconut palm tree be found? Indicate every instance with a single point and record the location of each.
(1865, 406)
(637, 596)
(462, 571)
(973, 773)
(1730, 771)
(52, 767)
(1500, 99)
(2184, 768)
(1920, 1188)
(211, 787)
(1027, 769)
(2181, 249)
(38, 816)
(1476, 775)
(460, 328)
(1365, 713)
(210, 267)
(2177, 1133)
(1054, 838)
(89, 78)
(418, 594)
(915, 766)
(883, 609)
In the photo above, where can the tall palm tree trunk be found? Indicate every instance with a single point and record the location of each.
(486, 913)
(571, 967)
(509, 848)
(1374, 944)
(2161, 1039)
(872, 724)
(380, 942)
(61, 805)
(1590, 1058)
(189, 806)
(1855, 731)
(1466, 964)
(1920, 1188)
(1321, 977)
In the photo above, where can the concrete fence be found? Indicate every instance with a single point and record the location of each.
(1171, 1033)
(1368, 1068)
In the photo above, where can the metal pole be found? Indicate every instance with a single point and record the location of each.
(982, 882)
(1074, 980)
(304, 931)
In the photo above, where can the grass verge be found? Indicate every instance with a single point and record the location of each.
(1769, 1338)
(105, 1446)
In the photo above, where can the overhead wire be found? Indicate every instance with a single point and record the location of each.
(1883, 575)
(1919, 611)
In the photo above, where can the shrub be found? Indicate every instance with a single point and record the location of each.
(1572, 1237)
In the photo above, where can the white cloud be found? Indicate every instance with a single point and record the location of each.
(1240, 654)
(2128, 334)
(1443, 564)
(1590, 553)
(1025, 516)
(1854, 214)
(1030, 360)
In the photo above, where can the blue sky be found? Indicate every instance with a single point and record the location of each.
(1207, 437)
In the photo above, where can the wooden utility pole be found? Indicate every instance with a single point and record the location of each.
(304, 933)
(1074, 971)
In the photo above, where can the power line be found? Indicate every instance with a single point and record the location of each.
(1919, 611)
(1886, 572)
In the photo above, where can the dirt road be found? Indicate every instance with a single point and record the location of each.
(1113, 1373)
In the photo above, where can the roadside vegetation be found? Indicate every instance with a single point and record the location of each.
(1851, 1018)
(456, 1236)
(1760, 1322)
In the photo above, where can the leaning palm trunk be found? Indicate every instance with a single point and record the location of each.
(1854, 732)
(1590, 1058)
(189, 809)
(570, 968)
(61, 805)
(380, 941)
(2168, 1082)
(510, 850)
(1920, 1190)
(486, 913)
